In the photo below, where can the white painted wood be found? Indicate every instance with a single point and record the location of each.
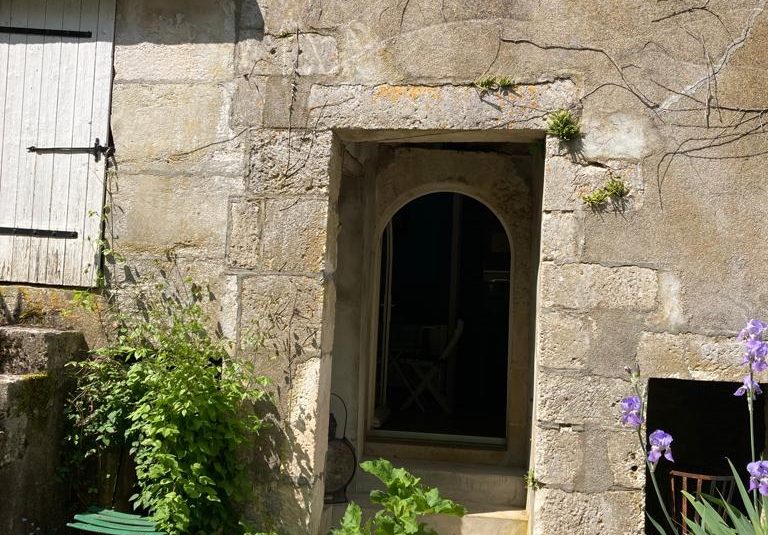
(11, 165)
(46, 137)
(102, 97)
(63, 138)
(5, 46)
(30, 122)
(81, 137)
(56, 93)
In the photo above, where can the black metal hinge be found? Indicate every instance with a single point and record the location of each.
(96, 150)
(45, 31)
(38, 233)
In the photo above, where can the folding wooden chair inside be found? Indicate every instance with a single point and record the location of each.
(720, 487)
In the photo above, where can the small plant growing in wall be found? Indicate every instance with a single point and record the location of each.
(530, 480)
(563, 125)
(496, 82)
(614, 190)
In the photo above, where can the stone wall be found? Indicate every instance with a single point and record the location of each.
(33, 496)
(228, 119)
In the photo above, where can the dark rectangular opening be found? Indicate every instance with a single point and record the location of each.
(709, 425)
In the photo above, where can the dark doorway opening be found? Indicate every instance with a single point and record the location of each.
(441, 370)
(709, 425)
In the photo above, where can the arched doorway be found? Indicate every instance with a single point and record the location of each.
(443, 328)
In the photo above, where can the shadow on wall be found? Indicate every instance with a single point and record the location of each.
(178, 22)
(283, 479)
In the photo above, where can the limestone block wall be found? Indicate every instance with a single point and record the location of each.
(228, 121)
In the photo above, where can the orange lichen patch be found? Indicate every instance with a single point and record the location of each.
(399, 92)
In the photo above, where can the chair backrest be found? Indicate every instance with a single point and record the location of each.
(721, 487)
(449, 347)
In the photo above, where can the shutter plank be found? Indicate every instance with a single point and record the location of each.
(5, 20)
(30, 126)
(46, 137)
(73, 249)
(95, 188)
(11, 164)
(62, 163)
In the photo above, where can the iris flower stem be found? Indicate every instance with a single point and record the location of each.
(751, 409)
(652, 471)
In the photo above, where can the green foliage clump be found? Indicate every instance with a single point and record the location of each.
(562, 124)
(165, 388)
(496, 82)
(403, 502)
(614, 190)
(530, 480)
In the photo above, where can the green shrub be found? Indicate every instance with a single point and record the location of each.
(562, 124)
(403, 502)
(166, 388)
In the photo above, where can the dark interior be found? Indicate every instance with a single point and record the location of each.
(709, 425)
(450, 263)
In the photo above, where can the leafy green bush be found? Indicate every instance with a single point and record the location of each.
(403, 502)
(166, 388)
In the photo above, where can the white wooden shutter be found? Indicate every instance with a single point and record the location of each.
(54, 93)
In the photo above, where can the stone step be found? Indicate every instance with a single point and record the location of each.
(464, 483)
(480, 520)
(25, 350)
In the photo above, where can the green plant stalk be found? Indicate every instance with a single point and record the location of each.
(751, 409)
(656, 485)
(647, 463)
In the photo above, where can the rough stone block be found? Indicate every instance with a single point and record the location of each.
(185, 214)
(248, 102)
(175, 129)
(607, 513)
(26, 350)
(298, 163)
(286, 234)
(690, 356)
(183, 62)
(614, 135)
(625, 458)
(574, 399)
(592, 286)
(558, 457)
(564, 339)
(174, 41)
(562, 237)
(277, 55)
(174, 22)
(568, 177)
(285, 312)
(415, 106)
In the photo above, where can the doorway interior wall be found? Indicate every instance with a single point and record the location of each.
(454, 381)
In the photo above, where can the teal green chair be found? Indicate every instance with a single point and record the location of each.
(113, 523)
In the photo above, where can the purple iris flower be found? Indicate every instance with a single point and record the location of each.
(758, 476)
(751, 386)
(630, 411)
(752, 330)
(757, 351)
(661, 444)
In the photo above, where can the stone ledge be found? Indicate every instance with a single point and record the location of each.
(26, 350)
